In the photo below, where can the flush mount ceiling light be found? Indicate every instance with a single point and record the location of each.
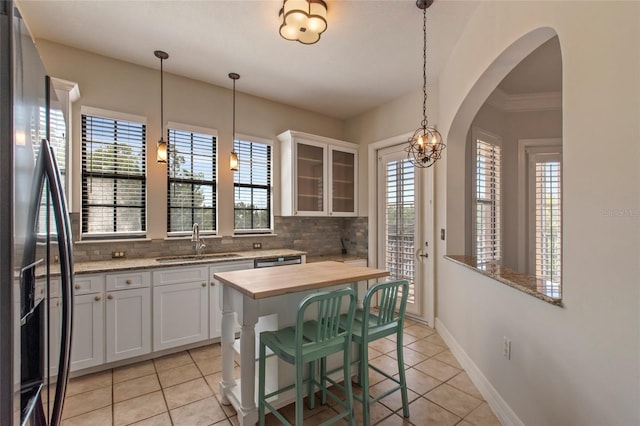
(161, 149)
(425, 146)
(233, 157)
(303, 20)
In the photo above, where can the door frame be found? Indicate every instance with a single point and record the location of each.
(427, 221)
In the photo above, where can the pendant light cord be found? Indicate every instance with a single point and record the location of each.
(161, 100)
(233, 142)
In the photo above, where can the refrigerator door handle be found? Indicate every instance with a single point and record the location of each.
(46, 167)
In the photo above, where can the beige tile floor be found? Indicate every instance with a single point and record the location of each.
(182, 389)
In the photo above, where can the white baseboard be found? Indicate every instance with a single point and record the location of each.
(499, 406)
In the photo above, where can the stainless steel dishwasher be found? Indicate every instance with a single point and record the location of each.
(270, 262)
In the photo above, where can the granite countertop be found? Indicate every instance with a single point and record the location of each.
(527, 283)
(116, 265)
(335, 258)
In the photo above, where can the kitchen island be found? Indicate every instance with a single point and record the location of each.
(251, 294)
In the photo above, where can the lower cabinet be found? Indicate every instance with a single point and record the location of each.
(215, 314)
(87, 345)
(180, 314)
(128, 323)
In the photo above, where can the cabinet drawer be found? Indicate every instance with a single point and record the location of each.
(128, 280)
(180, 275)
(87, 284)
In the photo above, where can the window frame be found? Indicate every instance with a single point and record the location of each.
(478, 134)
(182, 127)
(116, 116)
(269, 187)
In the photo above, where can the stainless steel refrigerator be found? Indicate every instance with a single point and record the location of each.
(36, 265)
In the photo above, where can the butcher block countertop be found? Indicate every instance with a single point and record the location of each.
(269, 282)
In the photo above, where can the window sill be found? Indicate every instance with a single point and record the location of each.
(525, 283)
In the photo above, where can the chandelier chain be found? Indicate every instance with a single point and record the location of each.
(425, 122)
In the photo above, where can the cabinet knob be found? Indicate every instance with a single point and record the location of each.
(128, 282)
(110, 297)
(204, 284)
(78, 286)
(58, 303)
(98, 298)
(213, 284)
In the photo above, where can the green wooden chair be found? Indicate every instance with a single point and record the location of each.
(368, 326)
(307, 342)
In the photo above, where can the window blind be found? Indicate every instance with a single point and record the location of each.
(487, 200)
(252, 186)
(113, 177)
(58, 141)
(191, 172)
(548, 216)
(400, 222)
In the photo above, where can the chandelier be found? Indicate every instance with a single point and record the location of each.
(425, 146)
(303, 20)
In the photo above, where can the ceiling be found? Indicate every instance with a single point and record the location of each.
(370, 54)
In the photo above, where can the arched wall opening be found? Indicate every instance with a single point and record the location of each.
(461, 123)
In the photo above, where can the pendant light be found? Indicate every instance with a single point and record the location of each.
(425, 146)
(161, 148)
(233, 157)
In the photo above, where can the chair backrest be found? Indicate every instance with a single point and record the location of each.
(327, 327)
(392, 303)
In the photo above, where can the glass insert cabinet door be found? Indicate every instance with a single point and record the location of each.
(343, 175)
(311, 179)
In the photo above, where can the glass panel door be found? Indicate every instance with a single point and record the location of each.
(311, 177)
(399, 220)
(342, 181)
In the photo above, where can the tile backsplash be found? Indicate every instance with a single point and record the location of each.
(315, 235)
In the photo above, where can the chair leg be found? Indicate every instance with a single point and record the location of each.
(299, 393)
(364, 380)
(403, 380)
(312, 375)
(261, 384)
(348, 387)
(323, 381)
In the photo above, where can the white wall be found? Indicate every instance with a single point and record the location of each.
(124, 87)
(577, 364)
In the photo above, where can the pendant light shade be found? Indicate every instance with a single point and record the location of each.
(233, 157)
(426, 145)
(303, 20)
(161, 148)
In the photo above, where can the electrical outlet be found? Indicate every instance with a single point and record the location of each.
(506, 347)
(118, 254)
(257, 245)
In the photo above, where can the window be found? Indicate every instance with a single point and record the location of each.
(191, 172)
(546, 219)
(113, 176)
(487, 238)
(252, 186)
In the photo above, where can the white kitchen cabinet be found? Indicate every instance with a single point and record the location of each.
(318, 175)
(180, 307)
(87, 345)
(215, 311)
(128, 323)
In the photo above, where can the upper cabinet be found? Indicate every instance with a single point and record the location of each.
(319, 175)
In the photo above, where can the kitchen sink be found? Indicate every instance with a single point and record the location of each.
(193, 257)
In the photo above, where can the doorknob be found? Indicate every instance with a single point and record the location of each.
(424, 255)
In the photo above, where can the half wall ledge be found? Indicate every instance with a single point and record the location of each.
(536, 287)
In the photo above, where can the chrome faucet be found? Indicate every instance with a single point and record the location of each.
(195, 237)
